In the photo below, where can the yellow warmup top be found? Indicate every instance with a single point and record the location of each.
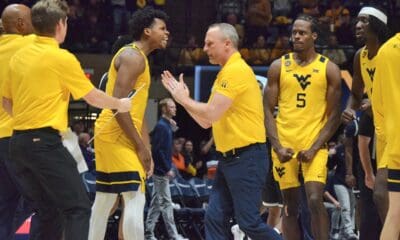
(9, 45)
(42, 77)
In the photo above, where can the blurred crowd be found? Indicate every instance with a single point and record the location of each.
(263, 27)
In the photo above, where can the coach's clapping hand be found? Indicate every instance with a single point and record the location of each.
(178, 89)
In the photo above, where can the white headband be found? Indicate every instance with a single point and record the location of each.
(374, 12)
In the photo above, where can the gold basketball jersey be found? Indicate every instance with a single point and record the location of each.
(302, 102)
(367, 67)
(110, 130)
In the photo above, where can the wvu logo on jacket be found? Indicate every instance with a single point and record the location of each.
(280, 171)
(303, 80)
(371, 73)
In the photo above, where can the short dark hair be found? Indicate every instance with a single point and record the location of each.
(310, 19)
(46, 14)
(144, 18)
(120, 42)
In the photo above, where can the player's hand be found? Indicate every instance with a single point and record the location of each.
(350, 180)
(284, 154)
(124, 105)
(144, 155)
(370, 181)
(337, 204)
(306, 155)
(348, 115)
(365, 104)
(151, 171)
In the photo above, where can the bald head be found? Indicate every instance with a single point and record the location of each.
(84, 139)
(16, 19)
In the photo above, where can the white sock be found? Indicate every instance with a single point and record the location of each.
(101, 208)
(133, 226)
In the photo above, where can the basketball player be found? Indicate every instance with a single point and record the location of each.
(306, 87)
(122, 150)
(372, 30)
(386, 97)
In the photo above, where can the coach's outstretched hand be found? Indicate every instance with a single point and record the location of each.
(178, 89)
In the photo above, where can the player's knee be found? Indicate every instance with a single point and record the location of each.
(315, 202)
(380, 196)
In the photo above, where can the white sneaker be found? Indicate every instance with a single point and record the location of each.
(176, 206)
(351, 236)
(335, 236)
(237, 233)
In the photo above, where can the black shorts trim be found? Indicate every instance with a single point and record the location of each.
(394, 174)
(117, 182)
(271, 194)
(117, 188)
(117, 176)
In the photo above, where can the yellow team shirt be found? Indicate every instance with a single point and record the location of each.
(9, 45)
(302, 102)
(110, 129)
(388, 88)
(368, 69)
(42, 77)
(243, 123)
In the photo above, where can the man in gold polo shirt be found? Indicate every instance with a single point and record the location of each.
(17, 25)
(41, 78)
(235, 112)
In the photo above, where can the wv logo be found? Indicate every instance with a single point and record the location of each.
(303, 80)
(280, 171)
(371, 73)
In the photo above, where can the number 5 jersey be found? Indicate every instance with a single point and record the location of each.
(301, 102)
